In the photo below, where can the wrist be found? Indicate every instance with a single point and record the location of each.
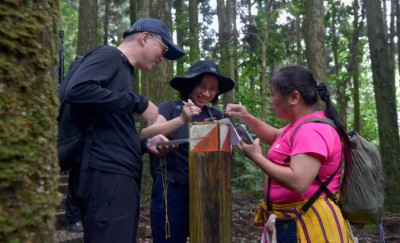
(184, 120)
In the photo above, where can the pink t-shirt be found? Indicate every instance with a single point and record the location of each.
(316, 138)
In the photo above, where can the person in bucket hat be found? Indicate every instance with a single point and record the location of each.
(102, 87)
(201, 85)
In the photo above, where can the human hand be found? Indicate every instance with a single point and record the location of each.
(189, 110)
(235, 110)
(251, 151)
(159, 150)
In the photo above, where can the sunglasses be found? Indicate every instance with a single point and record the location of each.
(163, 46)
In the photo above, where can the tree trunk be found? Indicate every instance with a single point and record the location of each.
(194, 29)
(28, 129)
(299, 54)
(397, 4)
(157, 80)
(264, 44)
(229, 97)
(132, 10)
(224, 12)
(235, 52)
(341, 85)
(315, 38)
(181, 27)
(87, 37)
(133, 18)
(106, 17)
(353, 64)
(385, 98)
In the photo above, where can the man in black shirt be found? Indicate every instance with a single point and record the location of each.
(102, 87)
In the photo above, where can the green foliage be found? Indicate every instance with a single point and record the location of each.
(69, 23)
(118, 22)
(247, 178)
(371, 228)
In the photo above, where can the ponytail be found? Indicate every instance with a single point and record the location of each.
(331, 113)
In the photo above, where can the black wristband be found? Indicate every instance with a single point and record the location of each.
(143, 145)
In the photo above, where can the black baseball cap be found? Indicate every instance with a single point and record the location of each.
(156, 26)
(200, 68)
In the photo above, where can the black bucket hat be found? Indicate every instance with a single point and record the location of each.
(198, 69)
(156, 26)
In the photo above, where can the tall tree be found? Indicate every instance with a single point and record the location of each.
(133, 16)
(133, 7)
(228, 40)
(251, 39)
(392, 35)
(385, 98)
(87, 28)
(299, 55)
(225, 41)
(264, 46)
(353, 63)
(315, 38)
(106, 19)
(181, 28)
(28, 111)
(158, 89)
(341, 85)
(397, 5)
(194, 29)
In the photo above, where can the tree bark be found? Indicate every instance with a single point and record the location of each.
(341, 85)
(397, 4)
(105, 24)
(28, 129)
(194, 30)
(264, 45)
(354, 62)
(157, 80)
(315, 38)
(181, 28)
(225, 40)
(385, 98)
(229, 97)
(87, 27)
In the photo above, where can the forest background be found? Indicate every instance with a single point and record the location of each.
(353, 46)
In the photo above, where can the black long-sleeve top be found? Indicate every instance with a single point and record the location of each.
(103, 86)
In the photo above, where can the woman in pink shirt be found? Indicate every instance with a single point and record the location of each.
(296, 165)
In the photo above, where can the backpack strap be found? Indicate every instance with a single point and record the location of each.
(323, 185)
(85, 160)
(84, 165)
(269, 206)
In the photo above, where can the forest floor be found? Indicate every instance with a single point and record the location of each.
(243, 207)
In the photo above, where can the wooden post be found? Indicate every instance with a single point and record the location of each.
(210, 173)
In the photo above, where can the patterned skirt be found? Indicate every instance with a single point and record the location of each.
(323, 222)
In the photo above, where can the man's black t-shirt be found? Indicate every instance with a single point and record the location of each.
(103, 86)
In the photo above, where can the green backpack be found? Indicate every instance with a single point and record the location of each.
(361, 196)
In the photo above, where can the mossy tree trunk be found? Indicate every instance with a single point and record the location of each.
(28, 110)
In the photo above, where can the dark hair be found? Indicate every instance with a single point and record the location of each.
(297, 78)
(185, 93)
